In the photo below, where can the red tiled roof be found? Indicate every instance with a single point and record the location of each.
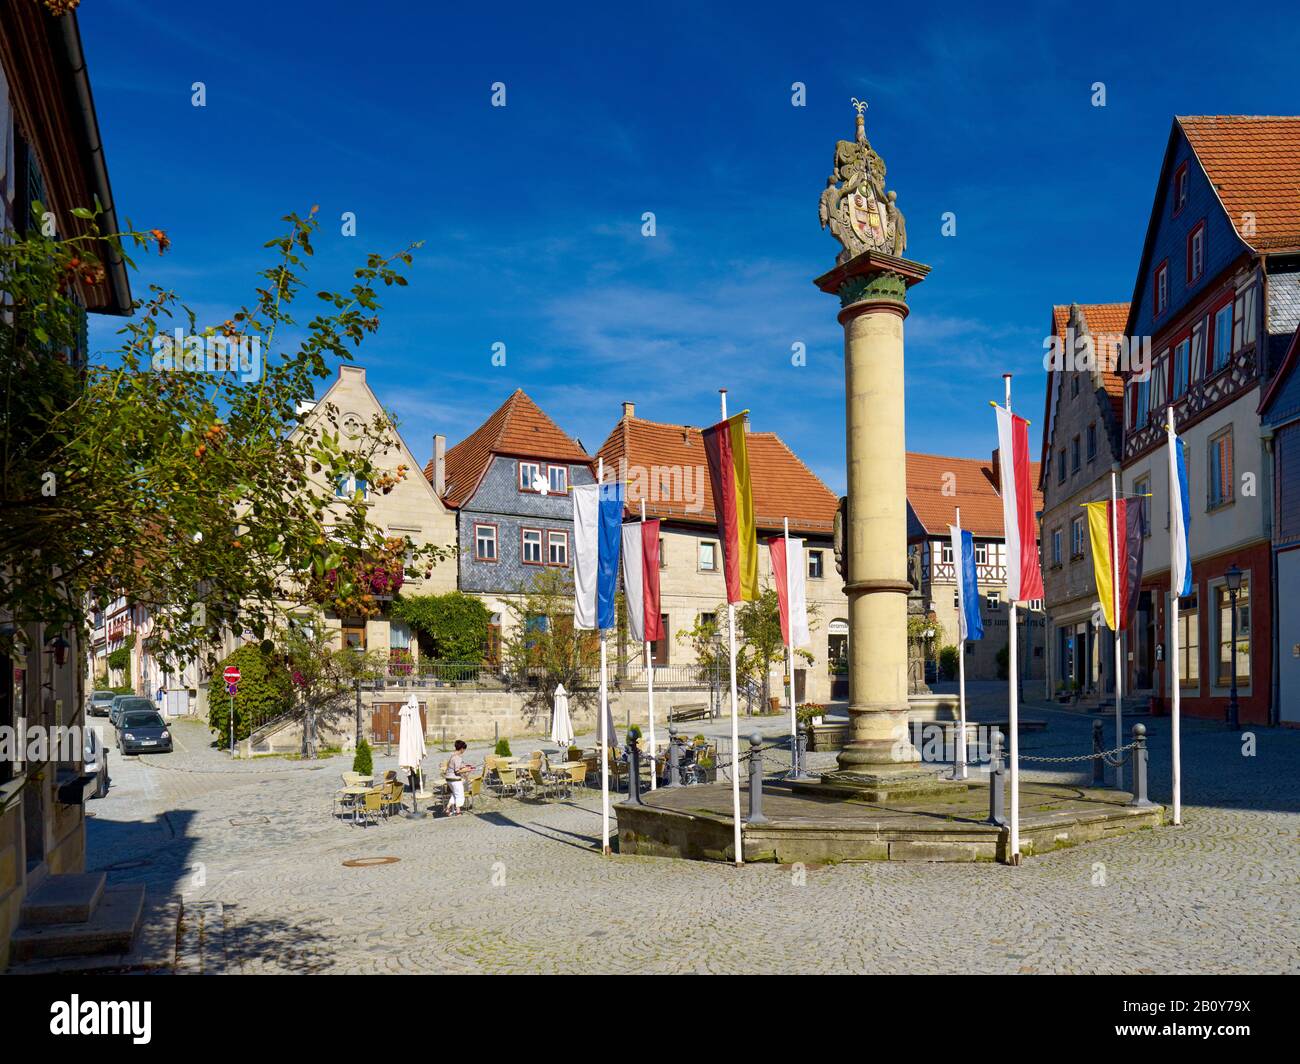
(937, 485)
(517, 427)
(783, 485)
(1253, 161)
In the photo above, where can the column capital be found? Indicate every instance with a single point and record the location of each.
(873, 277)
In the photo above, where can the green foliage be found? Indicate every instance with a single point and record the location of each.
(119, 659)
(544, 650)
(264, 693)
(452, 627)
(948, 662)
(502, 748)
(182, 477)
(805, 712)
(362, 763)
(324, 675)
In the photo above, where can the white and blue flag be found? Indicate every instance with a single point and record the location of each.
(1180, 520)
(968, 591)
(597, 537)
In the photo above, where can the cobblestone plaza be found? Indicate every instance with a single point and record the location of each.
(519, 886)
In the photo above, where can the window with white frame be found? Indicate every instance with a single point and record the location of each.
(529, 474)
(708, 556)
(530, 549)
(1056, 546)
(485, 543)
(557, 547)
(1196, 253)
(1162, 288)
(347, 487)
(1076, 538)
(995, 600)
(815, 565)
(1243, 334)
(1222, 336)
(557, 477)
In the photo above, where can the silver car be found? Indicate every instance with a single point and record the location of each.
(99, 704)
(96, 762)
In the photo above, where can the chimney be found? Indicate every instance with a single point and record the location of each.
(629, 409)
(440, 464)
(746, 422)
(995, 470)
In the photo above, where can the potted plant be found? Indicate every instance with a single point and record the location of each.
(400, 661)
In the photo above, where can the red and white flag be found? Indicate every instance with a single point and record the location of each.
(793, 599)
(1020, 523)
(641, 580)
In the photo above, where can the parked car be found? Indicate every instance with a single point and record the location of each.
(100, 703)
(124, 702)
(96, 762)
(143, 731)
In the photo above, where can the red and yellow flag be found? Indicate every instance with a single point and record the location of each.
(1128, 526)
(733, 501)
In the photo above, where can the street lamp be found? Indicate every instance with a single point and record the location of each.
(1233, 579)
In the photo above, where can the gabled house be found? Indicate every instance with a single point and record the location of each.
(1082, 442)
(1216, 297)
(937, 486)
(508, 483)
(50, 151)
(664, 465)
(1279, 409)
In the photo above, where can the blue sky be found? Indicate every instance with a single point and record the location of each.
(531, 213)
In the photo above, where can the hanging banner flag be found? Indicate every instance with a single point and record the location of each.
(1180, 520)
(968, 590)
(641, 580)
(793, 600)
(597, 521)
(733, 501)
(1128, 524)
(1020, 523)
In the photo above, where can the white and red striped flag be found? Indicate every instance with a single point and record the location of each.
(1020, 522)
(641, 580)
(793, 601)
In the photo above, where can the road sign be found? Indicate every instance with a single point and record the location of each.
(232, 688)
(231, 674)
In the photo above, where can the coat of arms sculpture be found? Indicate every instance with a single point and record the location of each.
(855, 205)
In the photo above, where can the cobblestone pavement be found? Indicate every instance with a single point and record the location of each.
(521, 887)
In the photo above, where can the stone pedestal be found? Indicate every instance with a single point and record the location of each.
(872, 288)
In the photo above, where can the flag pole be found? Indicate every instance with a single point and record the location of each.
(735, 712)
(789, 651)
(1013, 722)
(959, 770)
(1175, 590)
(649, 677)
(1119, 682)
(604, 709)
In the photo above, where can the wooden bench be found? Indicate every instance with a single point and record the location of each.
(693, 711)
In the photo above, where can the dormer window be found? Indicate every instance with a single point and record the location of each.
(1180, 189)
(1196, 253)
(1161, 285)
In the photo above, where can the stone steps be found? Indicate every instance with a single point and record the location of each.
(110, 926)
(66, 899)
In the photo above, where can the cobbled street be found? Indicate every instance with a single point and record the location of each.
(519, 886)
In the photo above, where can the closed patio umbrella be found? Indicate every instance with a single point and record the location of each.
(410, 749)
(561, 722)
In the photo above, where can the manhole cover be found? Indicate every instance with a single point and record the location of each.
(366, 862)
(244, 821)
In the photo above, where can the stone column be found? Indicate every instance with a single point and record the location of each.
(873, 294)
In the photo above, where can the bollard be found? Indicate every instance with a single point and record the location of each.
(1098, 762)
(997, 783)
(756, 780)
(802, 752)
(674, 757)
(1140, 767)
(633, 773)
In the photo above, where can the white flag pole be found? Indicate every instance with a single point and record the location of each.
(649, 674)
(604, 696)
(959, 771)
(735, 711)
(789, 650)
(1175, 590)
(1013, 722)
(1115, 611)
